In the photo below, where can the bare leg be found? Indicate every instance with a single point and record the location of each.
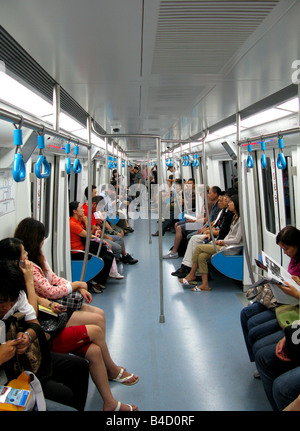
(204, 285)
(88, 315)
(191, 275)
(177, 240)
(96, 336)
(100, 378)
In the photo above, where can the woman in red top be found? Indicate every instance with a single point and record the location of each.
(78, 234)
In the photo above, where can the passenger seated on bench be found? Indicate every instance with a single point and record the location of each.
(182, 228)
(109, 194)
(83, 340)
(206, 251)
(116, 241)
(78, 235)
(46, 283)
(60, 385)
(220, 228)
(117, 230)
(259, 324)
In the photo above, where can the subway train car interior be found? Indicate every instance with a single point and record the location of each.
(172, 129)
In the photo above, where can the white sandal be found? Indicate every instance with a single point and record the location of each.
(123, 380)
(117, 409)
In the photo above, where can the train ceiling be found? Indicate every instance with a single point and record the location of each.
(170, 68)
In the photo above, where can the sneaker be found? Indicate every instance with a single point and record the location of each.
(116, 276)
(129, 259)
(170, 255)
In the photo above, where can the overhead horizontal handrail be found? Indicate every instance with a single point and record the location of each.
(38, 127)
(290, 131)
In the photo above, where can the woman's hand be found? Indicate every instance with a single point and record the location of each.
(24, 343)
(57, 308)
(86, 295)
(280, 351)
(8, 350)
(289, 289)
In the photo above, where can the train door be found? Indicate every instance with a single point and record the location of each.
(276, 200)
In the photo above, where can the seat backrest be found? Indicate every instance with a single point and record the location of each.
(93, 267)
(230, 265)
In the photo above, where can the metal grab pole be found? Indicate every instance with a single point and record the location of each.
(205, 194)
(240, 194)
(159, 177)
(89, 218)
(149, 199)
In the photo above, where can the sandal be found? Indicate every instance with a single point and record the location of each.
(198, 289)
(185, 281)
(131, 407)
(124, 380)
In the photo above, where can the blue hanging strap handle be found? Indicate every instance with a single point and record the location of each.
(42, 163)
(68, 160)
(250, 162)
(281, 161)
(77, 164)
(18, 167)
(263, 156)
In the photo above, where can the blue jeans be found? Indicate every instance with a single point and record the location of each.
(255, 324)
(281, 380)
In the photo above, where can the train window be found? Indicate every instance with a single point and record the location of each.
(230, 173)
(268, 191)
(288, 187)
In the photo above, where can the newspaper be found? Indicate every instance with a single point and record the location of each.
(276, 274)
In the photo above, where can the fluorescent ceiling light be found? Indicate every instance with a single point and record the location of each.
(290, 105)
(225, 131)
(14, 93)
(67, 123)
(264, 117)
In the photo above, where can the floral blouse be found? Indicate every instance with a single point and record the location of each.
(49, 285)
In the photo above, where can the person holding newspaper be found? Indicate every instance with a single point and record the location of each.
(258, 320)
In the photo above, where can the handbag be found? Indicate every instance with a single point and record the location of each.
(263, 294)
(36, 359)
(287, 314)
(22, 394)
(53, 323)
(73, 301)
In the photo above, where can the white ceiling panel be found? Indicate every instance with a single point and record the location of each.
(147, 64)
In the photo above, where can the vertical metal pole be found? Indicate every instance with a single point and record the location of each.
(159, 178)
(205, 193)
(149, 199)
(106, 155)
(240, 183)
(89, 221)
(56, 112)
